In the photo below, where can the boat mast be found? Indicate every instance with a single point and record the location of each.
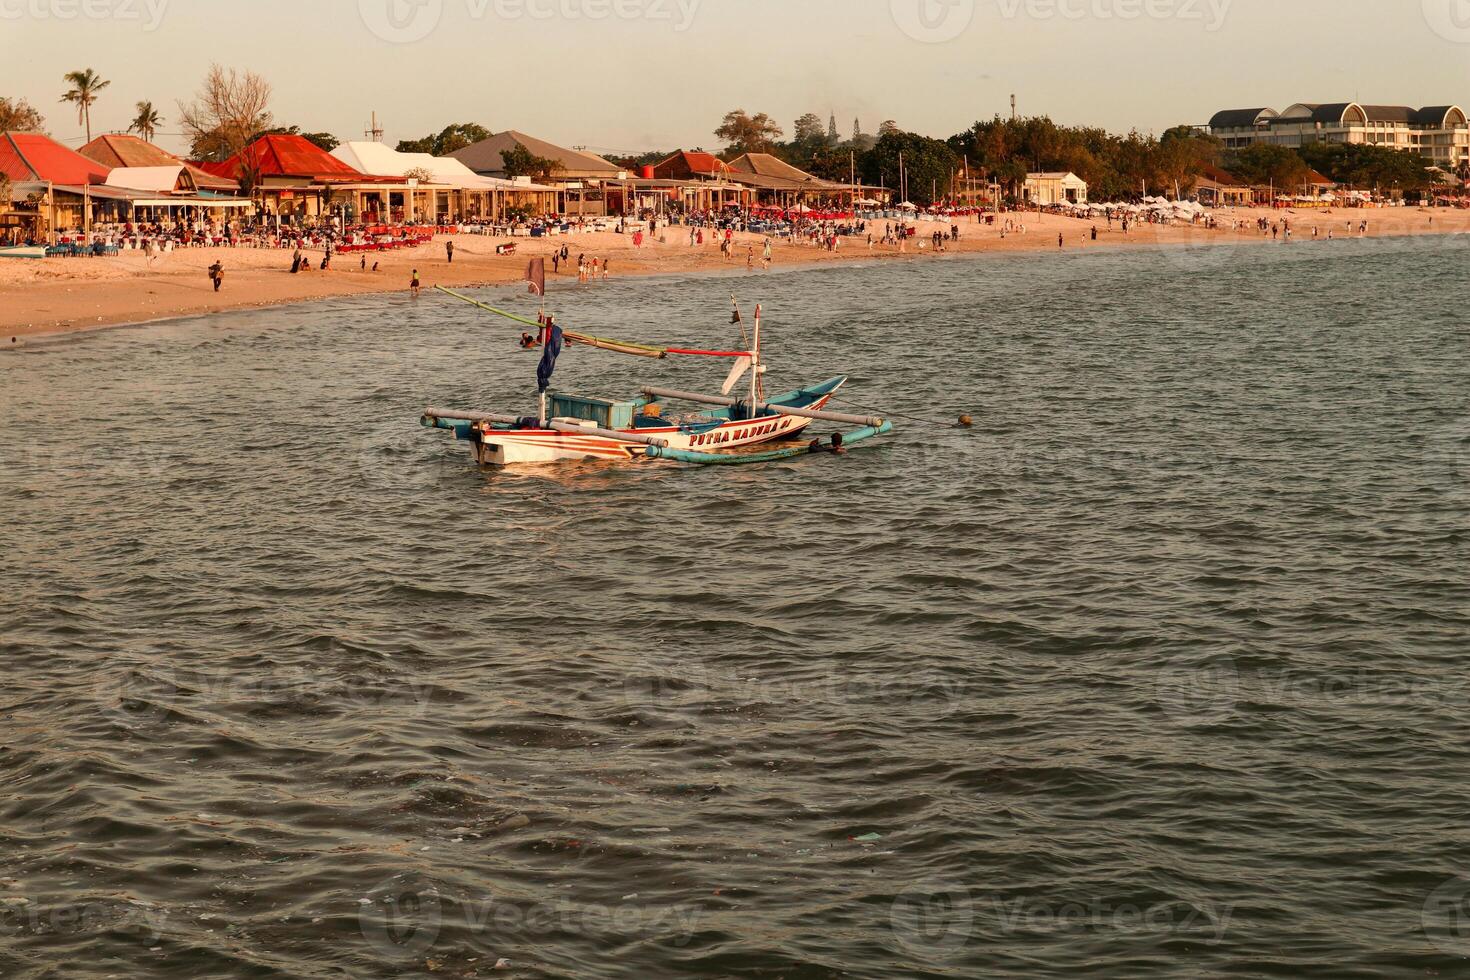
(756, 391)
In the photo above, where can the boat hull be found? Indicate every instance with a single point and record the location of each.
(494, 446)
(495, 441)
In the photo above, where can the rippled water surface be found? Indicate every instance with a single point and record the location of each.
(1157, 671)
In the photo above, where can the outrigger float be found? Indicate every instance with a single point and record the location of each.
(568, 427)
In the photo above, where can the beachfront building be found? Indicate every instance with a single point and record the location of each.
(295, 180)
(1440, 134)
(777, 183)
(700, 181)
(166, 194)
(437, 190)
(122, 150)
(1044, 189)
(579, 177)
(1219, 187)
(51, 187)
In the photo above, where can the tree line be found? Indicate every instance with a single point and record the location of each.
(232, 109)
(1115, 166)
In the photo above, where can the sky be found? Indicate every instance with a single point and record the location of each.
(626, 76)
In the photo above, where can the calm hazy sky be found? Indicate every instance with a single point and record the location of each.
(626, 75)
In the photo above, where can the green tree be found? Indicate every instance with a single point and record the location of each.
(1365, 165)
(809, 131)
(521, 162)
(146, 122)
(326, 141)
(455, 136)
(636, 161)
(1183, 152)
(744, 133)
(85, 85)
(1269, 164)
(930, 164)
(18, 115)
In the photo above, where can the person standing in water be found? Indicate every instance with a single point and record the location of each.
(413, 284)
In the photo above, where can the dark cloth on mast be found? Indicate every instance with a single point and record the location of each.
(551, 340)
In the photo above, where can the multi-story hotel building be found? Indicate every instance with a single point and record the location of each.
(1439, 133)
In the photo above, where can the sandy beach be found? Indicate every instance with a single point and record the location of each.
(64, 295)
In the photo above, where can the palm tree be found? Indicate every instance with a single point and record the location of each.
(84, 88)
(147, 121)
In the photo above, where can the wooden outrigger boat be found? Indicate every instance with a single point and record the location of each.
(569, 427)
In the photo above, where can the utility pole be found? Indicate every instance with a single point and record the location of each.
(1013, 107)
(374, 132)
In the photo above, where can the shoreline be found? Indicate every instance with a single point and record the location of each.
(54, 297)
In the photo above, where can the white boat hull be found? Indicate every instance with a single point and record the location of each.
(508, 447)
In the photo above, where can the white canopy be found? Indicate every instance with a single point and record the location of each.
(155, 180)
(383, 161)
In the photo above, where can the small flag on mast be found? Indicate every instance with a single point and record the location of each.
(536, 276)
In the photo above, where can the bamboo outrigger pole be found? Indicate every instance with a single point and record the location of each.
(806, 413)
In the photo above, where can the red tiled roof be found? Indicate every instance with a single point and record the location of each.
(702, 163)
(31, 156)
(290, 156)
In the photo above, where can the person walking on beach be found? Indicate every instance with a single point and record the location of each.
(766, 251)
(413, 284)
(217, 274)
(449, 252)
(1059, 240)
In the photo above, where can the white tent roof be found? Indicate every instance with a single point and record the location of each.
(158, 180)
(384, 161)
